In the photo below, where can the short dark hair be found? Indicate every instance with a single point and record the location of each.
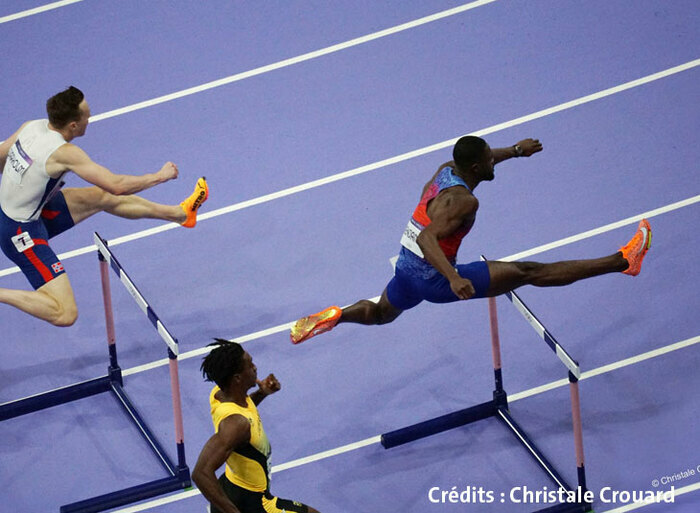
(468, 150)
(63, 107)
(222, 362)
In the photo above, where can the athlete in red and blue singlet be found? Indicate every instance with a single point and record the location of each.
(416, 279)
(426, 269)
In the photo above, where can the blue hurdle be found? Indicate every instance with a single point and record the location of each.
(178, 475)
(498, 407)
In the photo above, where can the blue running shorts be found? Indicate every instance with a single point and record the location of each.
(26, 244)
(405, 291)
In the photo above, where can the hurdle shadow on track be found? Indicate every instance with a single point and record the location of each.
(577, 500)
(178, 475)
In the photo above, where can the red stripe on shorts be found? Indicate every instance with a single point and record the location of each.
(34, 260)
(39, 265)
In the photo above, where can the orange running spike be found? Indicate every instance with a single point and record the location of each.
(636, 249)
(315, 324)
(194, 201)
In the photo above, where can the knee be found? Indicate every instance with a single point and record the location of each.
(66, 317)
(103, 199)
(528, 271)
(374, 313)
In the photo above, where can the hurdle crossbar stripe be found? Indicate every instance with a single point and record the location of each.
(545, 335)
(543, 332)
(138, 297)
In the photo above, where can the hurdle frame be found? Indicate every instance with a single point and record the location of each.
(498, 407)
(178, 474)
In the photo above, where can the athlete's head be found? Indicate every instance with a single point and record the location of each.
(226, 360)
(473, 155)
(69, 111)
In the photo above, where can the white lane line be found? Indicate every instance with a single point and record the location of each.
(277, 468)
(607, 368)
(291, 61)
(204, 350)
(393, 160)
(37, 10)
(603, 229)
(514, 397)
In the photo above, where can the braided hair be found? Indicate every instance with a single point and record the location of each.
(222, 362)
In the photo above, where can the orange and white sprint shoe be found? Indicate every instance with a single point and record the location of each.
(315, 324)
(194, 201)
(635, 250)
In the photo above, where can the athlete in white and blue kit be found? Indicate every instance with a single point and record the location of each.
(427, 269)
(33, 208)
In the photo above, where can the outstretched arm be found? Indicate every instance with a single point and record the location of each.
(268, 386)
(234, 431)
(523, 148)
(73, 158)
(447, 216)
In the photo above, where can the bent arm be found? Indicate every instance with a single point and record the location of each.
(233, 432)
(447, 217)
(71, 157)
(267, 386)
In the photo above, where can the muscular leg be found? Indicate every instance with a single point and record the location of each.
(86, 201)
(370, 313)
(53, 302)
(506, 276)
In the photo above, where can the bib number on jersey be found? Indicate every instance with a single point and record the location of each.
(19, 162)
(410, 237)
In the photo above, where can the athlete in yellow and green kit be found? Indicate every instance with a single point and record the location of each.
(239, 439)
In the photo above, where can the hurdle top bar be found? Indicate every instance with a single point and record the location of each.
(566, 359)
(544, 334)
(109, 257)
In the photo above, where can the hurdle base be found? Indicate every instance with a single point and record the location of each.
(495, 408)
(55, 397)
(439, 424)
(131, 495)
(152, 441)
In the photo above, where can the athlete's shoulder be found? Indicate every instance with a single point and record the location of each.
(235, 425)
(459, 199)
(68, 155)
(5, 145)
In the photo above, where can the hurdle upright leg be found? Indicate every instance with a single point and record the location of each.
(114, 370)
(182, 469)
(499, 395)
(578, 431)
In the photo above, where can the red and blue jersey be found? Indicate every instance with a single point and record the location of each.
(411, 258)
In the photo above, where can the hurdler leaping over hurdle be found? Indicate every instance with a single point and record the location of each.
(426, 269)
(33, 208)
